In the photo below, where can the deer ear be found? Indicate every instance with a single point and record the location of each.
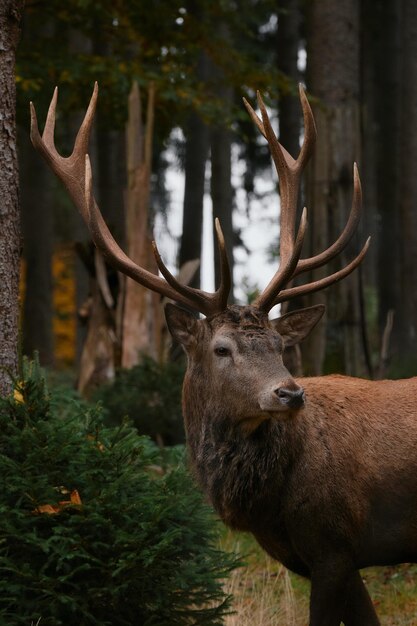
(297, 325)
(181, 324)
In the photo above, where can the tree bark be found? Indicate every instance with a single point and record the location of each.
(196, 152)
(97, 362)
(388, 44)
(139, 310)
(288, 40)
(407, 318)
(333, 71)
(370, 27)
(222, 193)
(221, 165)
(10, 16)
(111, 179)
(38, 226)
(37, 214)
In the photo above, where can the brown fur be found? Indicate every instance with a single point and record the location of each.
(327, 488)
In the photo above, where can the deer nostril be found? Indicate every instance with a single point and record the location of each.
(293, 398)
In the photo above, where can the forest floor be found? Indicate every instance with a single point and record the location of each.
(266, 594)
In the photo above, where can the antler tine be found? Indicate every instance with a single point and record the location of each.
(340, 244)
(310, 130)
(285, 272)
(255, 119)
(70, 170)
(282, 159)
(302, 290)
(213, 303)
(83, 136)
(44, 144)
(49, 130)
(225, 274)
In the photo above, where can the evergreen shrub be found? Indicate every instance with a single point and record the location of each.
(96, 528)
(150, 395)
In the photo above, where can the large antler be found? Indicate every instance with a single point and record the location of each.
(75, 172)
(289, 172)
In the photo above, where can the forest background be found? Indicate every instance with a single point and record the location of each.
(193, 61)
(172, 75)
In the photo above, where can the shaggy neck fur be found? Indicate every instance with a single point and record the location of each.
(239, 472)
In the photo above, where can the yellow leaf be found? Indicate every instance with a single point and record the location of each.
(18, 397)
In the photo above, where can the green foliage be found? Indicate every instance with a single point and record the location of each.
(150, 395)
(72, 44)
(402, 367)
(95, 528)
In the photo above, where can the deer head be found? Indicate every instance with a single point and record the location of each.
(235, 366)
(237, 348)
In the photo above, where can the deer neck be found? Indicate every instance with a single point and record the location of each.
(239, 472)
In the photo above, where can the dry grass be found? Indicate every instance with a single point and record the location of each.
(265, 594)
(263, 591)
(394, 592)
(262, 598)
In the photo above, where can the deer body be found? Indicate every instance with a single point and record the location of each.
(330, 483)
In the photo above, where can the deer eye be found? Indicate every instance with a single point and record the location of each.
(222, 351)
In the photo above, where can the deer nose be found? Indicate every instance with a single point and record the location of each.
(293, 398)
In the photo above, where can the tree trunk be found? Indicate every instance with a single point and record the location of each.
(140, 310)
(407, 318)
(288, 40)
(10, 15)
(289, 111)
(388, 46)
(97, 362)
(222, 193)
(111, 159)
(221, 165)
(369, 171)
(333, 70)
(317, 192)
(111, 179)
(38, 227)
(197, 143)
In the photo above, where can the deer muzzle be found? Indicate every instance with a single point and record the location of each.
(282, 397)
(293, 398)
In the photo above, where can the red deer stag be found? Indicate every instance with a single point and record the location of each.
(322, 471)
